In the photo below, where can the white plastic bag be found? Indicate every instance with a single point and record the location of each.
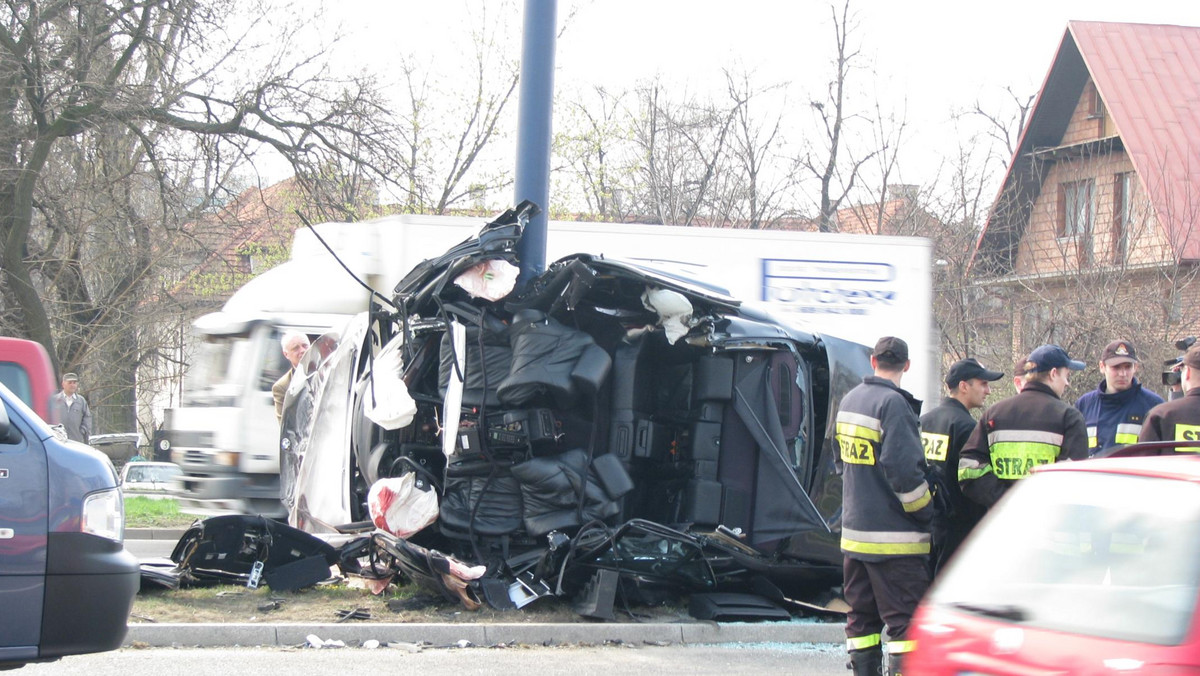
(399, 507)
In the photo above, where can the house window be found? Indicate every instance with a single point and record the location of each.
(1097, 105)
(1077, 209)
(1122, 216)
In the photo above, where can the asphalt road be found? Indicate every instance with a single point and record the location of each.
(692, 660)
(149, 549)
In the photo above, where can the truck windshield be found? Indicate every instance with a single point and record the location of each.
(218, 368)
(16, 379)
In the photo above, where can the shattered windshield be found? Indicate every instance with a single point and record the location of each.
(1095, 554)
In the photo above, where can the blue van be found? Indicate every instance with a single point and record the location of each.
(66, 582)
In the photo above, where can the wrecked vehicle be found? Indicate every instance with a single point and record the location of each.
(609, 428)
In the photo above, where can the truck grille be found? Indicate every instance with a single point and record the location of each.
(196, 457)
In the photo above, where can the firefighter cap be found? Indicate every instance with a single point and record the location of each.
(1118, 352)
(966, 369)
(891, 350)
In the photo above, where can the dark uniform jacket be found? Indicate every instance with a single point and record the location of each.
(1176, 420)
(1115, 418)
(944, 431)
(1013, 436)
(886, 504)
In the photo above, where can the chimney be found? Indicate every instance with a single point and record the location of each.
(903, 191)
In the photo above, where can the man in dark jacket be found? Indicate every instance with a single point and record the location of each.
(886, 511)
(1178, 419)
(1115, 410)
(944, 430)
(1035, 427)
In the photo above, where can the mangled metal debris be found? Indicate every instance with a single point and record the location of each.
(610, 433)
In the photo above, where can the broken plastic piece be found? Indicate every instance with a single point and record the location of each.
(526, 590)
(255, 575)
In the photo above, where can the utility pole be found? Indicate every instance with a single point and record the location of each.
(535, 114)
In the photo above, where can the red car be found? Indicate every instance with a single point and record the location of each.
(1083, 568)
(26, 369)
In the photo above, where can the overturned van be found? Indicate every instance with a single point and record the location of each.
(610, 428)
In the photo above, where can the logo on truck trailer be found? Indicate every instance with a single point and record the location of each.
(828, 287)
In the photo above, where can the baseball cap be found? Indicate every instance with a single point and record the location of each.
(1118, 352)
(70, 376)
(1048, 357)
(891, 349)
(1192, 357)
(966, 369)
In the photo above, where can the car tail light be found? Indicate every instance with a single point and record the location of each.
(104, 514)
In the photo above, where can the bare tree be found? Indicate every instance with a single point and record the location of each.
(118, 118)
(683, 144)
(598, 159)
(761, 182)
(445, 130)
(834, 167)
(1006, 124)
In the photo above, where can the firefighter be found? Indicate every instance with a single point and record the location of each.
(886, 511)
(1114, 411)
(1035, 427)
(1178, 419)
(944, 430)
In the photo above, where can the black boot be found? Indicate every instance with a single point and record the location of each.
(896, 664)
(867, 662)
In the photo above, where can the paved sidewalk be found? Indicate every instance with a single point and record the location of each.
(448, 635)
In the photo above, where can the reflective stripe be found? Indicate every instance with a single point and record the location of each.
(885, 542)
(935, 446)
(863, 642)
(859, 431)
(1126, 543)
(916, 498)
(969, 470)
(1187, 432)
(1016, 459)
(1038, 436)
(898, 549)
(901, 647)
(859, 419)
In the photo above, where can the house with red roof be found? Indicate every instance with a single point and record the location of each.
(1095, 232)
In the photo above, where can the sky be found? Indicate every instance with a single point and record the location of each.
(925, 59)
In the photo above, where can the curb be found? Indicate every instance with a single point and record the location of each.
(211, 635)
(154, 533)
